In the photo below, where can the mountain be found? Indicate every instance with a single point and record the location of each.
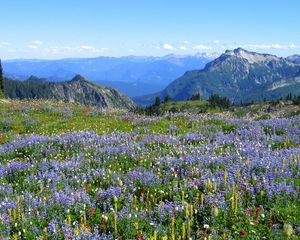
(78, 90)
(239, 75)
(119, 72)
(294, 59)
(132, 88)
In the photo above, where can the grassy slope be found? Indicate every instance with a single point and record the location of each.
(50, 118)
(254, 111)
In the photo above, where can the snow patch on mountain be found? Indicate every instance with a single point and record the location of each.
(251, 57)
(283, 83)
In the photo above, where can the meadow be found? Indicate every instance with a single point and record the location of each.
(71, 172)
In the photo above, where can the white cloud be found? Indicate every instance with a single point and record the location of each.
(183, 48)
(270, 46)
(32, 47)
(131, 50)
(4, 44)
(67, 50)
(216, 41)
(293, 46)
(186, 42)
(202, 47)
(85, 47)
(169, 47)
(37, 42)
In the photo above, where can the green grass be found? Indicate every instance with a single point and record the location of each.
(51, 118)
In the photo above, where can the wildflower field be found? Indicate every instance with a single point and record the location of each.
(68, 172)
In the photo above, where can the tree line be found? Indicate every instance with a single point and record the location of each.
(1, 81)
(214, 101)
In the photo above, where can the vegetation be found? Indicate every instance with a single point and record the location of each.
(216, 101)
(194, 104)
(71, 172)
(1, 81)
(296, 100)
(195, 97)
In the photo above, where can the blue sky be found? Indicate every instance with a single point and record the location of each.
(88, 28)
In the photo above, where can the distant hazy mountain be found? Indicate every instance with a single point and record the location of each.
(239, 75)
(150, 74)
(294, 58)
(132, 88)
(78, 90)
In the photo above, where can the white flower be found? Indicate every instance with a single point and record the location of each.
(206, 226)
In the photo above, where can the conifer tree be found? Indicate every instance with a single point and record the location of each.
(1, 81)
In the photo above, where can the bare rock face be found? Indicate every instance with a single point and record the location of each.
(78, 90)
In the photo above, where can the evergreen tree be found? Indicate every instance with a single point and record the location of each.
(1, 81)
(217, 101)
(167, 99)
(289, 96)
(195, 97)
(157, 101)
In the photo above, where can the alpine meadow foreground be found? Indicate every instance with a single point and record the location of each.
(71, 172)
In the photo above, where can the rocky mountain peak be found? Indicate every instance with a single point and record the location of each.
(33, 78)
(78, 78)
(251, 57)
(240, 75)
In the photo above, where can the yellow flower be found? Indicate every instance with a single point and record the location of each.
(216, 211)
(288, 229)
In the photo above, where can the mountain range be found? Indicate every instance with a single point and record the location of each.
(132, 75)
(294, 58)
(78, 90)
(238, 74)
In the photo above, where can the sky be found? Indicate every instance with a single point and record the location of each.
(53, 29)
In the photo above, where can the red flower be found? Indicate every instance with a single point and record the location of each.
(36, 210)
(243, 233)
(143, 189)
(92, 211)
(257, 211)
(87, 186)
(139, 237)
(88, 227)
(271, 222)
